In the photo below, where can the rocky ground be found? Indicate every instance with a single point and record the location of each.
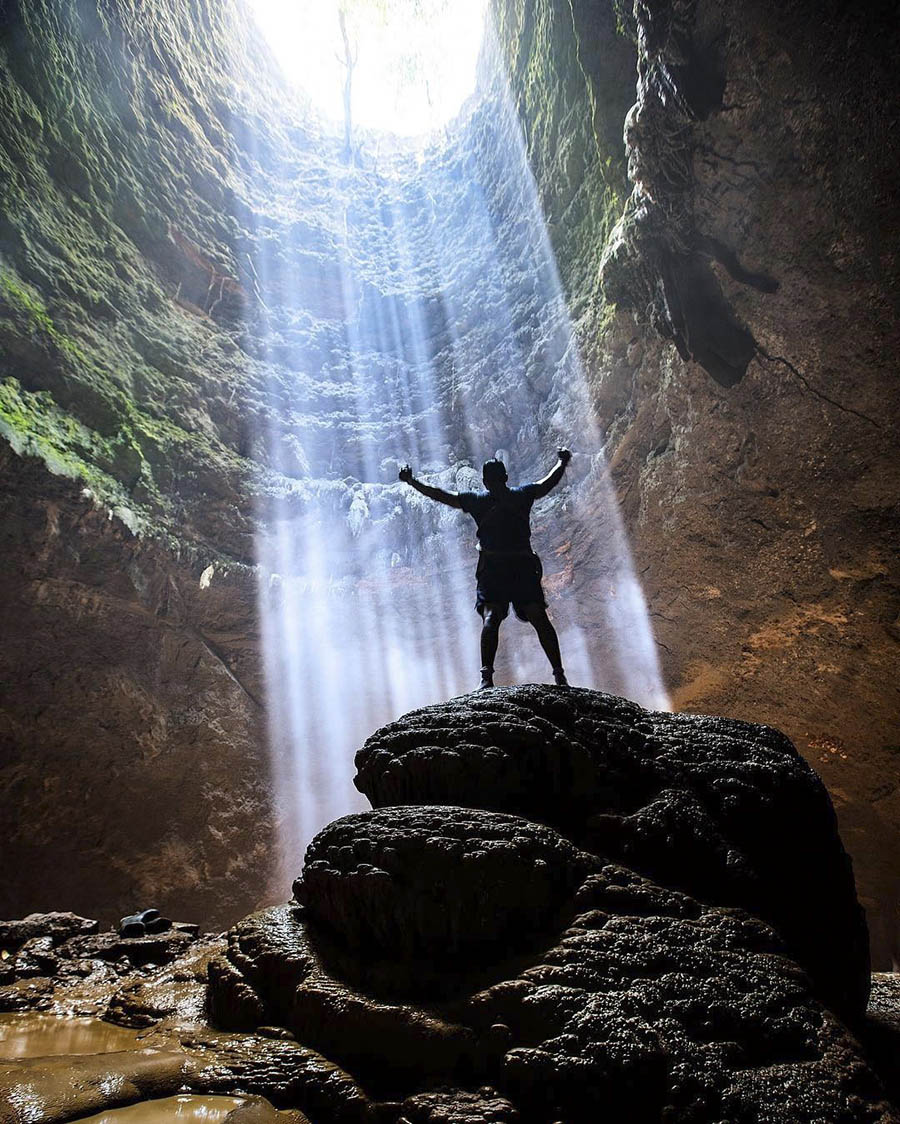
(450, 956)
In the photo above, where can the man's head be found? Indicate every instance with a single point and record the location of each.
(493, 473)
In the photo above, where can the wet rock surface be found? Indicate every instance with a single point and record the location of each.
(56, 927)
(631, 998)
(169, 1047)
(725, 810)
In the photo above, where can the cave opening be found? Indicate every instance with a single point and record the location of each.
(403, 67)
(223, 328)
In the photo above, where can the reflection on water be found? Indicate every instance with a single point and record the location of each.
(27, 1034)
(37, 1036)
(184, 1108)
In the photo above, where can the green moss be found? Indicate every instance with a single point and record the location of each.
(35, 426)
(27, 307)
(25, 303)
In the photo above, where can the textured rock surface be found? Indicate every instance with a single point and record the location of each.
(618, 995)
(762, 516)
(158, 986)
(133, 694)
(143, 375)
(458, 964)
(725, 810)
(58, 927)
(380, 882)
(881, 1033)
(646, 1002)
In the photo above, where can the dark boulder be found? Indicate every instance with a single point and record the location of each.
(724, 810)
(508, 936)
(453, 883)
(644, 1005)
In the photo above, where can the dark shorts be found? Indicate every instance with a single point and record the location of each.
(501, 578)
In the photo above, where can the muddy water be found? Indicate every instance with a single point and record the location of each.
(183, 1109)
(33, 1035)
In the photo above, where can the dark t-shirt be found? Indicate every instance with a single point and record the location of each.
(503, 519)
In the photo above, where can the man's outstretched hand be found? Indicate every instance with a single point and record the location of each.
(564, 455)
(405, 474)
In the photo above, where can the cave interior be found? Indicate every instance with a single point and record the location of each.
(236, 297)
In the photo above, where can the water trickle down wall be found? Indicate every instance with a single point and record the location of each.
(439, 335)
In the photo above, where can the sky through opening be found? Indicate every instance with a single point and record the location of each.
(413, 62)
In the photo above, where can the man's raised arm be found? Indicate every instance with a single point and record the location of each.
(549, 482)
(451, 499)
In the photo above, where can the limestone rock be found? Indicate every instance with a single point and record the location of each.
(449, 883)
(57, 926)
(645, 1005)
(722, 809)
(465, 963)
(458, 1107)
(75, 967)
(298, 979)
(881, 1032)
(138, 358)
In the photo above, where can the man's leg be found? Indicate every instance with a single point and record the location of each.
(537, 616)
(490, 637)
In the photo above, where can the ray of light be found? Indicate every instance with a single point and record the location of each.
(415, 312)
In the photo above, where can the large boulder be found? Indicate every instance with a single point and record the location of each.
(508, 936)
(724, 810)
(645, 1004)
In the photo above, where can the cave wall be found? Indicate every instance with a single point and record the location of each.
(142, 379)
(133, 761)
(755, 455)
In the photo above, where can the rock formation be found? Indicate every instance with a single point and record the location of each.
(466, 963)
(562, 908)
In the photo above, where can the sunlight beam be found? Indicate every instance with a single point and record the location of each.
(412, 62)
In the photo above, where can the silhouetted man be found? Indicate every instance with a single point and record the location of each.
(508, 569)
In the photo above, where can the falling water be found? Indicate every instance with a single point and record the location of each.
(412, 310)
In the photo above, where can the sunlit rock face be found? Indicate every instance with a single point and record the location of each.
(164, 202)
(490, 967)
